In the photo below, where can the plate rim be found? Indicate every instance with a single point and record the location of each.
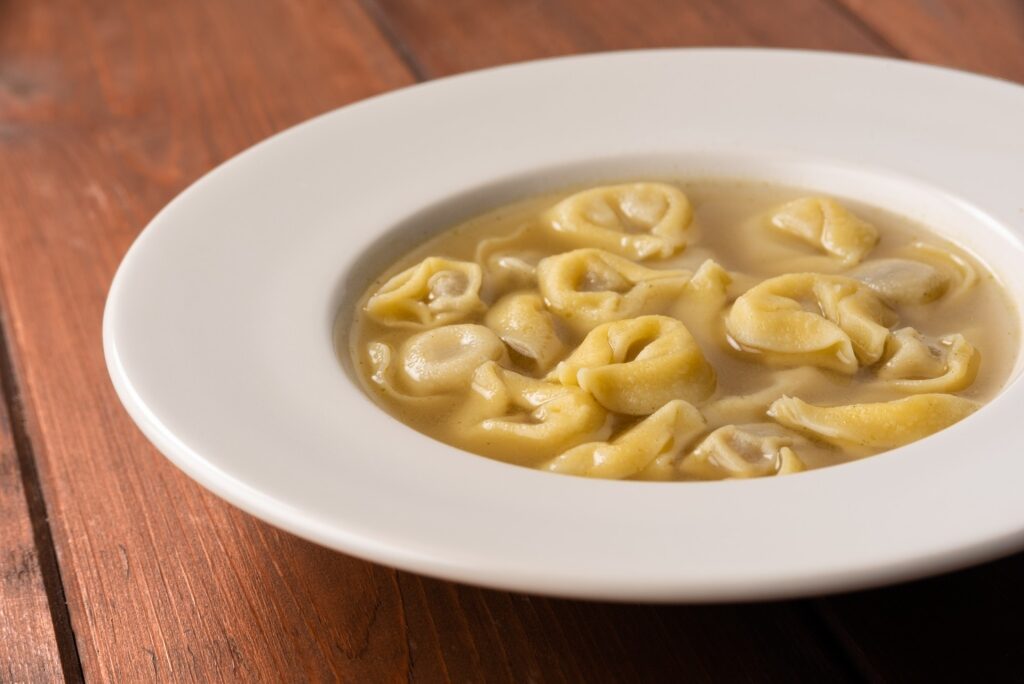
(295, 521)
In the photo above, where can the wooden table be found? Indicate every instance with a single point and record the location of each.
(115, 566)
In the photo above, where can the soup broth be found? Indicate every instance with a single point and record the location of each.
(683, 331)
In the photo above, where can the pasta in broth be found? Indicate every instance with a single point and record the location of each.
(683, 331)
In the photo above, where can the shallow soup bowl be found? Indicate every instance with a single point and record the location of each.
(220, 325)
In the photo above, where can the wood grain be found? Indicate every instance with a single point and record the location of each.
(107, 110)
(460, 35)
(114, 107)
(986, 36)
(28, 643)
(465, 634)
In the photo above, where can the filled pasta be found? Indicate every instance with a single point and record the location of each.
(434, 292)
(523, 322)
(635, 220)
(635, 366)
(444, 359)
(962, 275)
(660, 435)
(917, 364)
(587, 287)
(666, 331)
(883, 425)
(812, 319)
(825, 223)
(903, 281)
(754, 450)
(524, 420)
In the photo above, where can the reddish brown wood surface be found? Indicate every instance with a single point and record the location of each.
(28, 643)
(986, 36)
(108, 109)
(459, 35)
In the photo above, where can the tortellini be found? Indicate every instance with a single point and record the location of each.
(519, 270)
(636, 220)
(524, 420)
(961, 273)
(825, 223)
(635, 366)
(700, 303)
(434, 292)
(915, 364)
(525, 325)
(754, 450)
(509, 266)
(444, 359)
(659, 436)
(883, 425)
(809, 318)
(611, 334)
(709, 285)
(903, 281)
(587, 287)
(386, 381)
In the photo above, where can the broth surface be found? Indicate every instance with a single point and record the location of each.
(521, 400)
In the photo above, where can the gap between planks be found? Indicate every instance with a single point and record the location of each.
(867, 28)
(405, 53)
(46, 551)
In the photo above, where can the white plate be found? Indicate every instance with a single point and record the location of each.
(218, 327)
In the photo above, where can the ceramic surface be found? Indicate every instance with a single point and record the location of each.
(218, 327)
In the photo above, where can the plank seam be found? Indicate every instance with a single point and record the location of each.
(387, 30)
(868, 28)
(855, 658)
(46, 550)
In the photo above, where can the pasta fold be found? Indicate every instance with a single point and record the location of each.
(527, 421)
(635, 220)
(587, 287)
(883, 425)
(434, 292)
(525, 325)
(508, 263)
(638, 365)
(961, 274)
(825, 223)
(811, 319)
(659, 436)
(903, 281)
(753, 450)
(914, 363)
(444, 359)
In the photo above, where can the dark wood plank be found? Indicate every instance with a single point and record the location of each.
(467, 634)
(460, 35)
(986, 36)
(959, 627)
(28, 643)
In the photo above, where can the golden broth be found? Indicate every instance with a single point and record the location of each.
(731, 225)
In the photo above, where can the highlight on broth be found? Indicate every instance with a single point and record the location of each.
(692, 331)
